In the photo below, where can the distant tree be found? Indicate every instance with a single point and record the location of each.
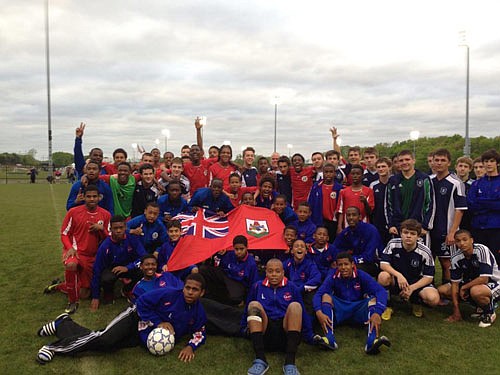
(62, 159)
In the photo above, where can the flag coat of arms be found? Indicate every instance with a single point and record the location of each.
(205, 233)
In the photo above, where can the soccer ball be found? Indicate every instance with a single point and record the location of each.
(160, 341)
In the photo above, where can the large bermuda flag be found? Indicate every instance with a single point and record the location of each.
(205, 233)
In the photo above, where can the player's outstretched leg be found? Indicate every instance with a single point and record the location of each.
(50, 328)
(327, 341)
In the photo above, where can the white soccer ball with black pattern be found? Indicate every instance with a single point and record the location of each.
(160, 341)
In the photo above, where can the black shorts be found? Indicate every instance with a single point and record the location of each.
(414, 297)
(275, 336)
(439, 247)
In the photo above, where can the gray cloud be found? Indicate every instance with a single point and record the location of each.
(130, 69)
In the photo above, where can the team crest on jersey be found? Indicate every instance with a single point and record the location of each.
(414, 263)
(302, 275)
(162, 284)
(287, 296)
(357, 286)
(154, 235)
(443, 190)
(333, 195)
(420, 183)
(100, 222)
(304, 178)
(475, 263)
(257, 228)
(241, 273)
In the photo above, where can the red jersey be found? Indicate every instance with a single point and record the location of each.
(236, 198)
(110, 168)
(330, 200)
(349, 198)
(75, 229)
(218, 171)
(198, 175)
(301, 184)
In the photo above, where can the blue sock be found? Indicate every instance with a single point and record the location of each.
(371, 335)
(327, 309)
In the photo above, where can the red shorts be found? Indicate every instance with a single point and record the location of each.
(84, 268)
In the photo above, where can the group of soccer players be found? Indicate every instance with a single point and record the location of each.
(358, 230)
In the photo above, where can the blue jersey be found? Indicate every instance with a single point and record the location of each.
(289, 217)
(127, 252)
(243, 271)
(168, 305)
(154, 234)
(105, 196)
(449, 195)
(171, 208)
(275, 301)
(484, 202)
(380, 212)
(165, 252)
(323, 257)
(79, 159)
(481, 263)
(362, 241)
(249, 177)
(316, 198)
(369, 177)
(284, 185)
(260, 201)
(420, 204)
(204, 198)
(352, 289)
(304, 275)
(143, 196)
(159, 280)
(413, 265)
(305, 230)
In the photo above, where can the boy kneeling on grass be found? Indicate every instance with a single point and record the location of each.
(350, 295)
(408, 269)
(474, 278)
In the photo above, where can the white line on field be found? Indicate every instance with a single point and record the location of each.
(58, 216)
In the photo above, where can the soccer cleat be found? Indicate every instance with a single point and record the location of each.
(71, 308)
(487, 320)
(375, 347)
(52, 287)
(49, 329)
(478, 313)
(290, 370)
(417, 310)
(259, 367)
(387, 314)
(323, 342)
(44, 355)
(108, 299)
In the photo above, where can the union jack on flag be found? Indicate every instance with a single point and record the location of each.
(204, 224)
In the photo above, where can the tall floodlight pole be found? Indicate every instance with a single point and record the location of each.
(414, 134)
(275, 101)
(467, 138)
(166, 136)
(47, 63)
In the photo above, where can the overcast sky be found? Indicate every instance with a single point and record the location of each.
(128, 69)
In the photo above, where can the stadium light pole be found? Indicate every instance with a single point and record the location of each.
(289, 146)
(414, 134)
(166, 135)
(134, 149)
(275, 102)
(47, 64)
(467, 138)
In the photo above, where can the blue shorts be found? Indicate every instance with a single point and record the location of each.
(354, 312)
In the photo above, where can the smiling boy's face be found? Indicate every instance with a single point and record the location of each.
(299, 250)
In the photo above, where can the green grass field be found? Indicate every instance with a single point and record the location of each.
(30, 257)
